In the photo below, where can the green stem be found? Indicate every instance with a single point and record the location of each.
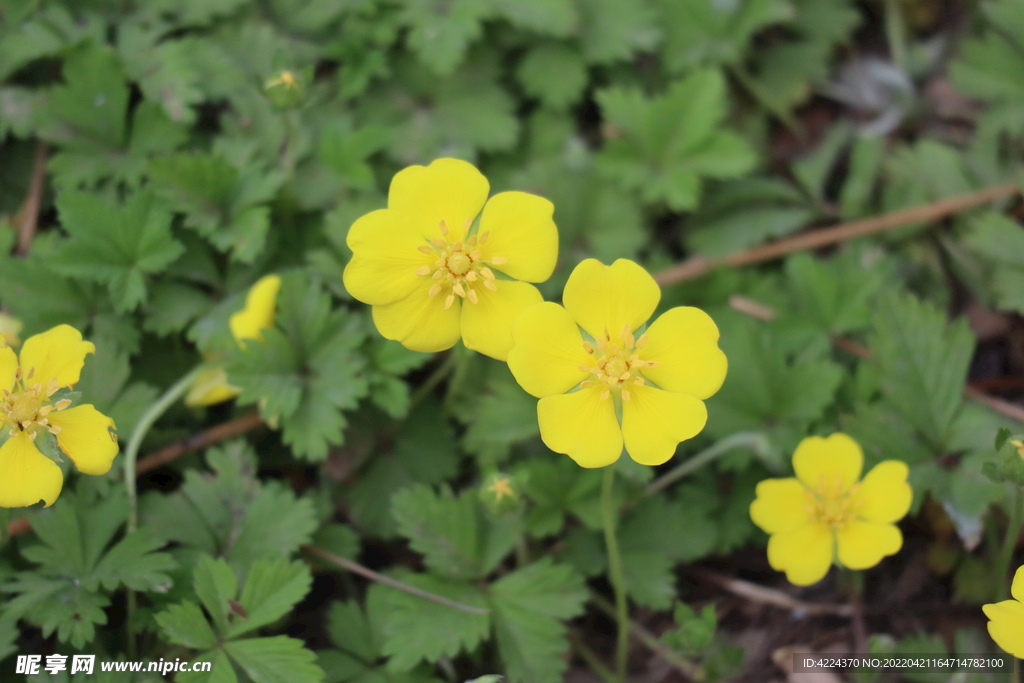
(1014, 525)
(609, 518)
(591, 658)
(1015, 675)
(754, 440)
(740, 73)
(442, 371)
(896, 33)
(5, 517)
(152, 414)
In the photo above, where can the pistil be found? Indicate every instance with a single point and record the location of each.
(618, 366)
(460, 266)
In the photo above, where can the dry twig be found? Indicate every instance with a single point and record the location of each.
(28, 215)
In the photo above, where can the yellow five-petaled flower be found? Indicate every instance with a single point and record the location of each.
(1006, 625)
(658, 381)
(48, 362)
(432, 278)
(826, 513)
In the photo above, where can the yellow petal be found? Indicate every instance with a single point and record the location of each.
(683, 342)
(520, 229)
(449, 190)
(58, 352)
(211, 388)
(863, 544)
(1017, 587)
(581, 426)
(604, 298)
(1007, 626)
(258, 313)
(86, 437)
(8, 366)
(825, 461)
(885, 494)
(655, 421)
(487, 324)
(26, 475)
(804, 553)
(780, 506)
(385, 247)
(547, 351)
(419, 322)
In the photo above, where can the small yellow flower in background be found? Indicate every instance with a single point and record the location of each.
(659, 380)
(48, 362)
(1006, 625)
(431, 279)
(212, 386)
(825, 513)
(10, 328)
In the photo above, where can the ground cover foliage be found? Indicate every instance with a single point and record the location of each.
(192, 147)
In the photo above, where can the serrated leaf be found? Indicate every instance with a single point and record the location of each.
(440, 32)
(611, 30)
(279, 659)
(118, 246)
(185, 624)
(445, 529)
(215, 584)
(663, 146)
(553, 72)
(91, 107)
(133, 562)
(271, 590)
(528, 605)
(924, 360)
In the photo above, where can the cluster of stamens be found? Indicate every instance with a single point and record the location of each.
(830, 505)
(459, 267)
(619, 365)
(26, 408)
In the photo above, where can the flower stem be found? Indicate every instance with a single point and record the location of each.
(609, 517)
(442, 371)
(152, 414)
(1005, 558)
(4, 522)
(755, 440)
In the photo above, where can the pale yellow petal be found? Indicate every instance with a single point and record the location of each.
(780, 505)
(520, 229)
(87, 436)
(547, 351)
(683, 342)
(884, 494)
(1017, 587)
(487, 324)
(210, 388)
(385, 246)
(419, 322)
(604, 298)
(582, 426)
(1007, 626)
(258, 314)
(26, 475)
(59, 352)
(654, 421)
(833, 461)
(449, 190)
(8, 366)
(804, 553)
(864, 544)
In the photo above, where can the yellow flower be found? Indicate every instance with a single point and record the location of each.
(658, 381)
(826, 513)
(212, 386)
(431, 278)
(1006, 625)
(10, 328)
(49, 362)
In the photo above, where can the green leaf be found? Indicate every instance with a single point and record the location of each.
(215, 585)
(118, 246)
(611, 30)
(349, 629)
(998, 240)
(414, 629)
(445, 529)
(345, 150)
(91, 107)
(185, 624)
(528, 605)
(548, 17)
(104, 383)
(834, 294)
(275, 660)
(554, 73)
(712, 32)
(441, 31)
(500, 416)
(133, 563)
(271, 590)
(923, 360)
(663, 146)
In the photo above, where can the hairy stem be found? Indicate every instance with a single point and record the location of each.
(754, 440)
(1004, 560)
(609, 518)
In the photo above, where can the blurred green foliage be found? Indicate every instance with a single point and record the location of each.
(193, 146)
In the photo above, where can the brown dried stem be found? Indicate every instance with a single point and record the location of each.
(28, 216)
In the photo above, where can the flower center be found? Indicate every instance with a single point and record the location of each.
(617, 365)
(830, 506)
(459, 267)
(24, 409)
